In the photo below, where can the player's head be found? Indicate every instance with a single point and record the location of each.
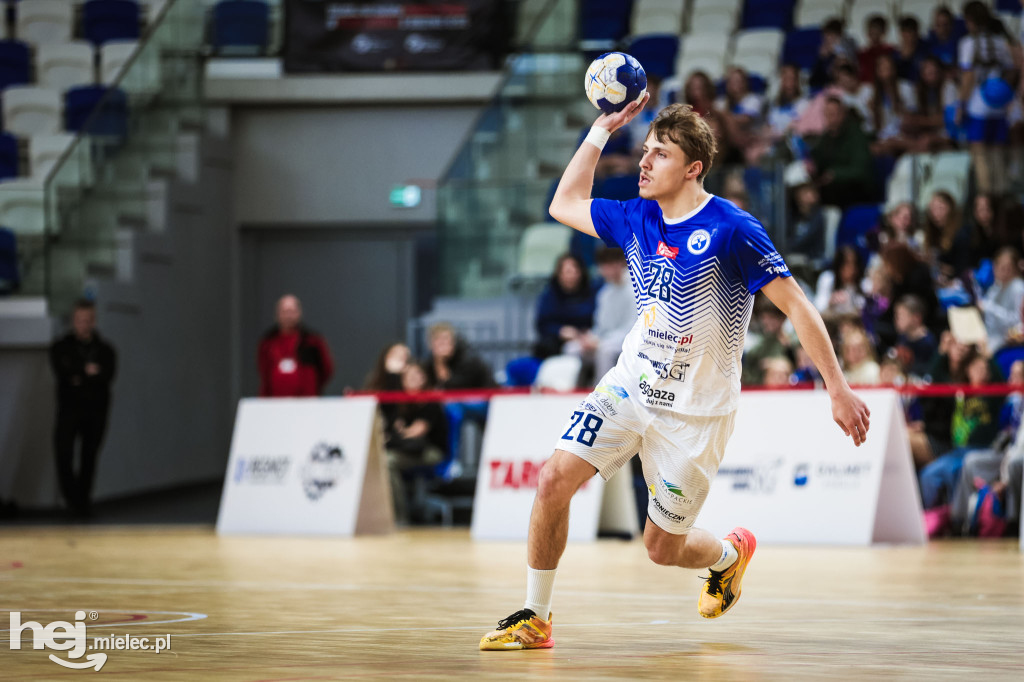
(680, 148)
(289, 312)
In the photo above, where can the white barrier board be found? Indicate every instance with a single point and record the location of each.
(792, 477)
(520, 437)
(306, 466)
(789, 474)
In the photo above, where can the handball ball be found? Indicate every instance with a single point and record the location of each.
(614, 80)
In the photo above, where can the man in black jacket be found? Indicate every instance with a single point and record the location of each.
(84, 365)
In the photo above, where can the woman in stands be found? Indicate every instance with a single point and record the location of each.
(887, 100)
(565, 310)
(925, 126)
(947, 239)
(741, 110)
(839, 288)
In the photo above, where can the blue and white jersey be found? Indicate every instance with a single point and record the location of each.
(694, 280)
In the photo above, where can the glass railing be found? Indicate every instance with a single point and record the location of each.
(499, 180)
(77, 215)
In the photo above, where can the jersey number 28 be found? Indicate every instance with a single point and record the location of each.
(661, 282)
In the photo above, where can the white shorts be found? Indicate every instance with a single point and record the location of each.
(680, 454)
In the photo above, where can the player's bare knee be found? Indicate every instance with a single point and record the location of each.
(552, 485)
(664, 549)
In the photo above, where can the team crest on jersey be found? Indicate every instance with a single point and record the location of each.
(698, 242)
(668, 251)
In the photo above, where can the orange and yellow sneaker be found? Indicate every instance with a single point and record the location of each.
(722, 588)
(524, 629)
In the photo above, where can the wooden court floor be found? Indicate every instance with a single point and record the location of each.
(413, 606)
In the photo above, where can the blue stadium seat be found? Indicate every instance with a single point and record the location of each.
(604, 20)
(857, 221)
(618, 187)
(10, 279)
(657, 53)
(15, 63)
(8, 156)
(801, 47)
(768, 14)
(1009, 6)
(240, 24)
(1005, 357)
(521, 372)
(105, 20)
(80, 102)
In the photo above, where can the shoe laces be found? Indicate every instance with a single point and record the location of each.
(714, 579)
(516, 618)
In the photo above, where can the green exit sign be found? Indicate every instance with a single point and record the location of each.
(406, 196)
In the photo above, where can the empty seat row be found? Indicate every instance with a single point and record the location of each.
(31, 110)
(41, 22)
(43, 153)
(62, 65)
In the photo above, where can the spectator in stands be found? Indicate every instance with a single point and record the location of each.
(887, 100)
(947, 239)
(415, 435)
(1004, 300)
(294, 361)
(741, 110)
(699, 93)
(877, 301)
(925, 126)
(836, 48)
(387, 375)
(847, 87)
(876, 28)
(890, 372)
(859, 365)
(84, 366)
(900, 225)
(387, 371)
(985, 58)
(807, 223)
(990, 465)
(839, 288)
(942, 38)
(565, 310)
(908, 274)
(769, 341)
(974, 425)
(452, 364)
(911, 51)
(841, 166)
(789, 102)
(996, 223)
(614, 315)
(915, 344)
(777, 371)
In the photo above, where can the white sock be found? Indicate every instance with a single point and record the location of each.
(728, 558)
(539, 586)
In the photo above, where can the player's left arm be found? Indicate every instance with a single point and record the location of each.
(848, 410)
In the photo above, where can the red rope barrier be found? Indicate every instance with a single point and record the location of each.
(484, 394)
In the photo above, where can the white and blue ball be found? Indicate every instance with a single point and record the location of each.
(614, 80)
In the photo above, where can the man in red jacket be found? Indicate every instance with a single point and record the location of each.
(294, 361)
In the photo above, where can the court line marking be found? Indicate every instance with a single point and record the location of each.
(189, 616)
(659, 623)
(343, 587)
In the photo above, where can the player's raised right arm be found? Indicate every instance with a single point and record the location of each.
(571, 203)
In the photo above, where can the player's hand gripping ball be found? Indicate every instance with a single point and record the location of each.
(614, 80)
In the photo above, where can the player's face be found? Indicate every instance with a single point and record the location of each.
(663, 169)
